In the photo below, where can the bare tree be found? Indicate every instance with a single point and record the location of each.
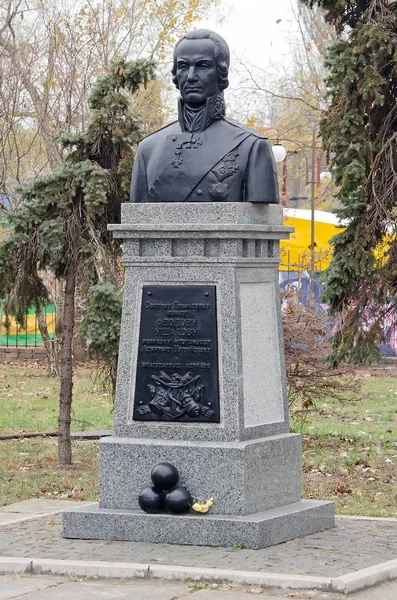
(308, 351)
(295, 86)
(51, 51)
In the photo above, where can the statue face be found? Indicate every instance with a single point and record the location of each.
(197, 72)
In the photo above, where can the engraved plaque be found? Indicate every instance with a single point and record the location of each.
(177, 366)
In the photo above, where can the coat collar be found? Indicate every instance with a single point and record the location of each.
(213, 110)
(186, 158)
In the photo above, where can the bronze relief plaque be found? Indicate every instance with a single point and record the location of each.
(177, 366)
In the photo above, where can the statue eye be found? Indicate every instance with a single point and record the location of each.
(182, 67)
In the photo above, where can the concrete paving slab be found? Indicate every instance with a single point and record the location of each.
(62, 588)
(243, 577)
(82, 568)
(15, 586)
(98, 590)
(233, 595)
(362, 518)
(15, 565)
(386, 591)
(244, 593)
(9, 517)
(35, 508)
(41, 506)
(366, 577)
(198, 577)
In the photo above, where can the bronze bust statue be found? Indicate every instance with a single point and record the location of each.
(204, 156)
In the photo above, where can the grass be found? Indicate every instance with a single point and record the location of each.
(29, 400)
(350, 451)
(28, 403)
(28, 469)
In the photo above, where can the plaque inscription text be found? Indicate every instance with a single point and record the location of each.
(177, 366)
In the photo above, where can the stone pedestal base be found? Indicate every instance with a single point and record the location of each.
(254, 531)
(176, 255)
(243, 477)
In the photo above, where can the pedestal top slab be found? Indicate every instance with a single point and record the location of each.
(205, 212)
(194, 219)
(193, 213)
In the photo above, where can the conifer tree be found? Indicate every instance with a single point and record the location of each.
(61, 224)
(359, 132)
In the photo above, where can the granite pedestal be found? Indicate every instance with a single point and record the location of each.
(248, 461)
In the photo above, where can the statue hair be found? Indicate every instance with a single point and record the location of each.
(222, 54)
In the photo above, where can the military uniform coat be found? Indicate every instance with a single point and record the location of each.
(224, 162)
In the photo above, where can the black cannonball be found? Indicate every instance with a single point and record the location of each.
(151, 500)
(178, 500)
(164, 476)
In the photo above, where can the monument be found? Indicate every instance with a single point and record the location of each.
(201, 377)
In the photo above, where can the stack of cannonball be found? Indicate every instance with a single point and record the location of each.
(165, 494)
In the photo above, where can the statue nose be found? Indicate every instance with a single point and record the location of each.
(192, 74)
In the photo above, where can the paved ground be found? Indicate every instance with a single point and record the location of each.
(351, 546)
(30, 531)
(58, 588)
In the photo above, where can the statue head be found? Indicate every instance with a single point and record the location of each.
(201, 66)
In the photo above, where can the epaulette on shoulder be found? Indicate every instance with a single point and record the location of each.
(160, 129)
(245, 128)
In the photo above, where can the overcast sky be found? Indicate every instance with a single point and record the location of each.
(257, 29)
(258, 32)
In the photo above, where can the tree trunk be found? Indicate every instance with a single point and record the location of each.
(65, 396)
(50, 345)
(79, 352)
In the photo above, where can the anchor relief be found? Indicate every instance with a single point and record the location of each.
(175, 396)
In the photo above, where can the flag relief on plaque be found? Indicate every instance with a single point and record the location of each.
(177, 364)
